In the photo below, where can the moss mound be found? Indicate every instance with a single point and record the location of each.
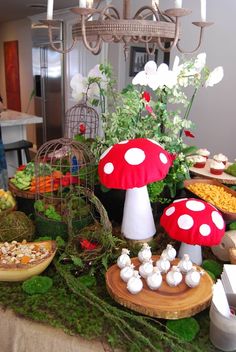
(186, 328)
(16, 226)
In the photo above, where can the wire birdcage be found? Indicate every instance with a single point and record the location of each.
(81, 119)
(63, 167)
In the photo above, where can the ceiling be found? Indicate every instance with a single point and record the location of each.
(17, 9)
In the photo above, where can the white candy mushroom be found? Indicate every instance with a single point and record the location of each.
(195, 223)
(131, 165)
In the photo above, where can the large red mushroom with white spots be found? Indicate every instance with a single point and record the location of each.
(131, 165)
(195, 223)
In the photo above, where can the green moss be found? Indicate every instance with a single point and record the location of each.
(213, 266)
(186, 329)
(37, 284)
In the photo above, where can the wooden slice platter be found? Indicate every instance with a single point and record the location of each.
(205, 172)
(166, 302)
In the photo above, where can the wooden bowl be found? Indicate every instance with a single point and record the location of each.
(228, 216)
(21, 272)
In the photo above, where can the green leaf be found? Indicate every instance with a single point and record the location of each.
(37, 284)
(87, 280)
(77, 261)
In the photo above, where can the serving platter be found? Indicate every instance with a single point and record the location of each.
(21, 272)
(205, 172)
(166, 302)
(228, 216)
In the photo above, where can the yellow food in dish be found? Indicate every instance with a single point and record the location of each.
(215, 195)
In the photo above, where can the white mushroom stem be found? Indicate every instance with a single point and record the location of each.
(194, 252)
(138, 222)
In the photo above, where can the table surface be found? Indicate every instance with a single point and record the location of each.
(16, 118)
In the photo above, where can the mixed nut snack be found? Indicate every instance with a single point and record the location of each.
(23, 252)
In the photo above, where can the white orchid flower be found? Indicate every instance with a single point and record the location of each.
(200, 62)
(155, 77)
(215, 77)
(78, 85)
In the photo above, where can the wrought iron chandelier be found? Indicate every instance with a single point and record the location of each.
(149, 25)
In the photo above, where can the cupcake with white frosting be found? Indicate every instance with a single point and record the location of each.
(220, 158)
(203, 152)
(197, 160)
(216, 167)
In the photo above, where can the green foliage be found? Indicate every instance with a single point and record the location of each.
(37, 285)
(213, 266)
(154, 190)
(39, 206)
(232, 226)
(52, 214)
(231, 170)
(87, 280)
(186, 329)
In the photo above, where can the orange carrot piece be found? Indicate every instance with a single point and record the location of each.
(25, 259)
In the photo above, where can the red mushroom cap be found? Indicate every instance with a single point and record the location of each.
(193, 221)
(133, 163)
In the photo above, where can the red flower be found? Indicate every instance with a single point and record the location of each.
(146, 96)
(85, 244)
(149, 109)
(82, 128)
(189, 134)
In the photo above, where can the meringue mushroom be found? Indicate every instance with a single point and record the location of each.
(174, 276)
(127, 272)
(193, 277)
(163, 263)
(154, 280)
(135, 284)
(146, 268)
(185, 264)
(145, 253)
(170, 252)
(124, 259)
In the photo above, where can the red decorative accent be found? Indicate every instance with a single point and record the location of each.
(189, 134)
(146, 96)
(82, 128)
(85, 244)
(12, 76)
(21, 167)
(149, 109)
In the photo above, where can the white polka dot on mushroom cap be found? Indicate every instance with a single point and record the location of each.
(105, 153)
(195, 205)
(155, 142)
(135, 156)
(170, 211)
(179, 200)
(217, 219)
(108, 168)
(123, 142)
(185, 222)
(205, 230)
(163, 158)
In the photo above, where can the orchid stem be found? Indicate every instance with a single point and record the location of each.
(186, 115)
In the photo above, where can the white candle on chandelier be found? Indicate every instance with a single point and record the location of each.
(50, 10)
(178, 3)
(203, 10)
(89, 4)
(82, 3)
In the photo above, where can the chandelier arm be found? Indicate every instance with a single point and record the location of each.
(174, 42)
(150, 51)
(61, 51)
(198, 46)
(98, 46)
(151, 9)
(103, 12)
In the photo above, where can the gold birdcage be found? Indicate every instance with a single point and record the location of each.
(63, 167)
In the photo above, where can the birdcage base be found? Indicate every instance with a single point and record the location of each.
(52, 228)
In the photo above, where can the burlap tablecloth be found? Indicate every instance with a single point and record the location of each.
(21, 335)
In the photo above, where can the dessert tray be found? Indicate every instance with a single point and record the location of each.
(228, 216)
(166, 302)
(205, 172)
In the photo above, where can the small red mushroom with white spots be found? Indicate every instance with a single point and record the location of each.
(131, 165)
(195, 223)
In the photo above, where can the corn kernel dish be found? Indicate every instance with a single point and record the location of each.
(21, 260)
